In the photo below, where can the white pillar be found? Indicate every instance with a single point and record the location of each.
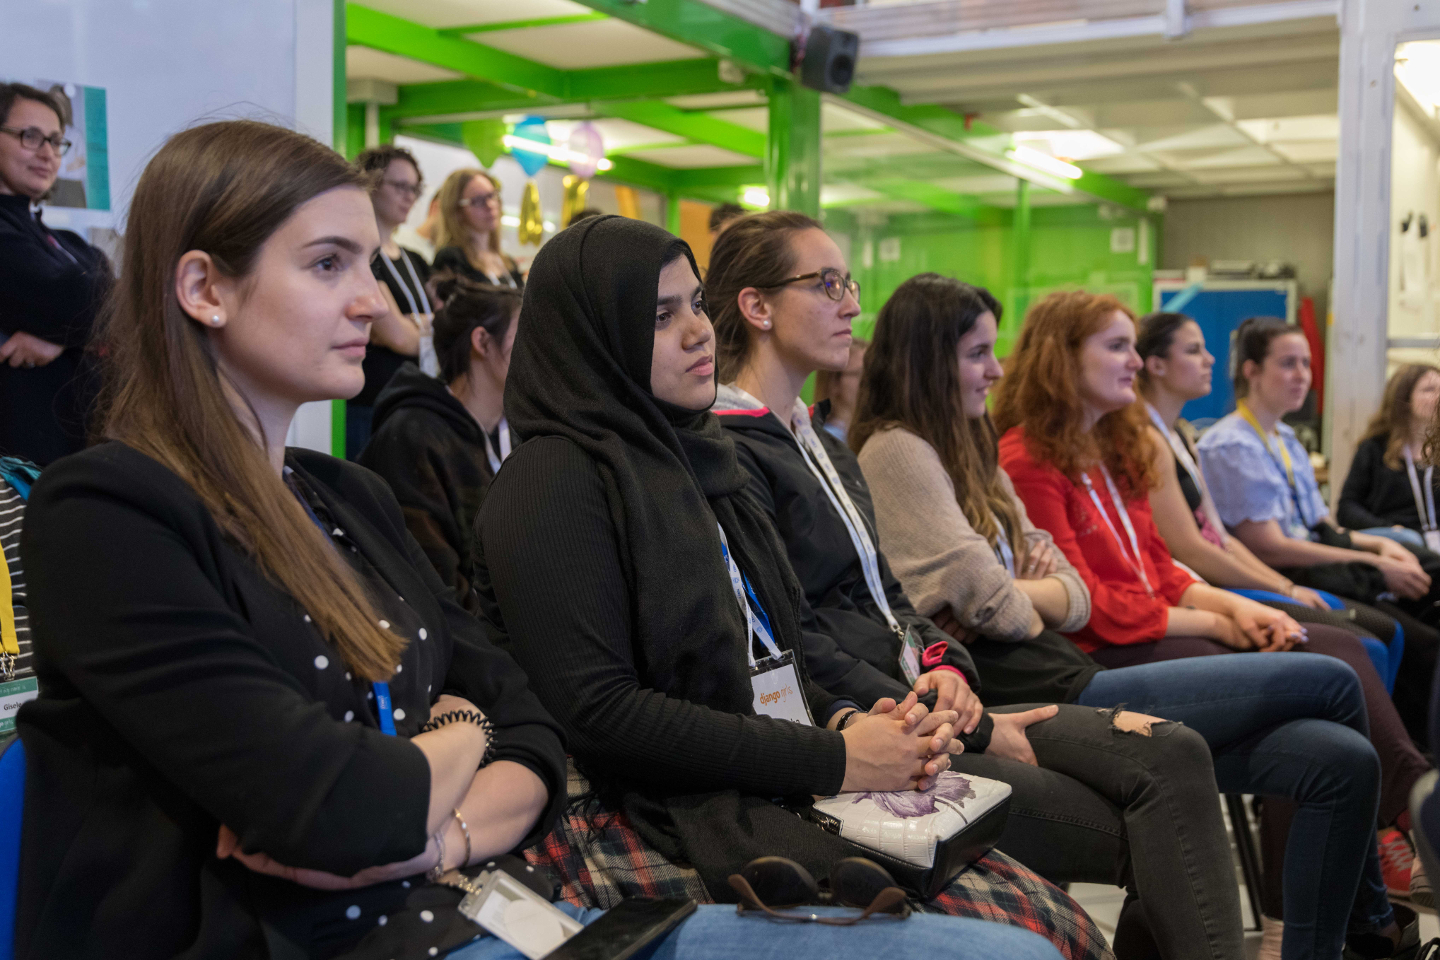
(1355, 371)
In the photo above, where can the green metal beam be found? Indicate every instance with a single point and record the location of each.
(461, 96)
(391, 34)
(692, 125)
(669, 78)
(792, 156)
(695, 23)
(522, 24)
(943, 201)
(1020, 256)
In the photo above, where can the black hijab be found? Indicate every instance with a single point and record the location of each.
(580, 369)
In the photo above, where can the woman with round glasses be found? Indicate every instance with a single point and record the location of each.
(469, 239)
(397, 336)
(51, 285)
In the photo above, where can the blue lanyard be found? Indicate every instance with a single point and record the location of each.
(384, 708)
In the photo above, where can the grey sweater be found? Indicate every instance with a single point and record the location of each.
(939, 557)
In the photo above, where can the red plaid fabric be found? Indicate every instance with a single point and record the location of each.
(602, 861)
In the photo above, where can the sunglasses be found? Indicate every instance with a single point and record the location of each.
(769, 883)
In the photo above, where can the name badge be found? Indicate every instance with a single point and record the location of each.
(12, 695)
(777, 690)
(1432, 540)
(910, 652)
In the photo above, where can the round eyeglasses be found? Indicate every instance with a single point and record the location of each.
(835, 283)
(32, 137)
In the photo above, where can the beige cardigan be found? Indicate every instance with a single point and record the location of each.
(937, 554)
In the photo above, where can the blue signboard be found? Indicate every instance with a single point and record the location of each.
(1219, 313)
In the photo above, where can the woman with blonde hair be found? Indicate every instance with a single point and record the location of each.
(468, 240)
(1386, 493)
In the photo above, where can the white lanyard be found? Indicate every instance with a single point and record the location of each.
(753, 623)
(1138, 564)
(1003, 551)
(1182, 454)
(1424, 505)
(495, 461)
(424, 305)
(815, 457)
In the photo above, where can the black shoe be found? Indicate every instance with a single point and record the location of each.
(1377, 946)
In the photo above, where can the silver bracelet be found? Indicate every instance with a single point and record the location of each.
(437, 871)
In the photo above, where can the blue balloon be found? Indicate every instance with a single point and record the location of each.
(531, 161)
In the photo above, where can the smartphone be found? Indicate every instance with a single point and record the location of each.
(631, 929)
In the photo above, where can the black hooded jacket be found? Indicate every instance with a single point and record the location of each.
(431, 451)
(851, 650)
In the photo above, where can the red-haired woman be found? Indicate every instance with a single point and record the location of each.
(1076, 447)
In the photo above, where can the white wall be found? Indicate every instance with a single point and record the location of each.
(1414, 190)
(166, 64)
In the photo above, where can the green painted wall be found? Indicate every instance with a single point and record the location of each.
(1070, 247)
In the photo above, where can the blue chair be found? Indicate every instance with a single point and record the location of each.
(12, 801)
(1385, 658)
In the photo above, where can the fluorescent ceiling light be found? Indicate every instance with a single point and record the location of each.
(756, 196)
(1043, 161)
(1072, 144)
(1417, 66)
(555, 151)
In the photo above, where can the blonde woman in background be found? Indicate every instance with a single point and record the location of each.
(468, 240)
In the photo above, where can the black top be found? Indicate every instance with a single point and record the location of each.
(454, 260)
(600, 565)
(382, 362)
(1374, 495)
(431, 451)
(849, 647)
(180, 689)
(51, 286)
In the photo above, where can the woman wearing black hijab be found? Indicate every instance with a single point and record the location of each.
(600, 562)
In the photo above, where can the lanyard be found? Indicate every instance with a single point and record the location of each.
(495, 461)
(9, 638)
(424, 305)
(815, 457)
(384, 708)
(1249, 417)
(1425, 505)
(1138, 564)
(755, 625)
(1003, 551)
(1182, 454)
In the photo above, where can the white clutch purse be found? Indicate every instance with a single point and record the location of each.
(924, 838)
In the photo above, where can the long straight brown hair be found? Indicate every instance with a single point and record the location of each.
(912, 380)
(1392, 420)
(225, 188)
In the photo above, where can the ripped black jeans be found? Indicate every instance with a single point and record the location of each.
(1140, 812)
(1290, 725)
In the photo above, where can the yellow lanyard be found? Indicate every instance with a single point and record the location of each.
(1244, 410)
(9, 640)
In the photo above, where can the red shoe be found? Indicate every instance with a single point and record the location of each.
(1396, 859)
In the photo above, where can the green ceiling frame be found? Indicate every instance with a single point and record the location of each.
(693, 125)
(937, 198)
(699, 25)
(494, 27)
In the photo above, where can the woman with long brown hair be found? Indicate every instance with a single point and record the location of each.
(1386, 493)
(263, 718)
(1075, 444)
(468, 239)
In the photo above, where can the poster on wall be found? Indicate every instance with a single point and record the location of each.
(84, 181)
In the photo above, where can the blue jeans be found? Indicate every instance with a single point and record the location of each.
(1290, 725)
(1406, 536)
(715, 932)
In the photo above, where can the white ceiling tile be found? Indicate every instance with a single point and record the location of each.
(751, 118)
(1243, 157)
(716, 101)
(363, 63)
(986, 183)
(1281, 172)
(1211, 135)
(1306, 151)
(880, 145)
(599, 43)
(832, 193)
(693, 156)
(462, 13)
(835, 118)
(1122, 163)
(1283, 129)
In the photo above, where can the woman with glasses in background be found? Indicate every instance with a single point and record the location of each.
(468, 243)
(51, 286)
(398, 335)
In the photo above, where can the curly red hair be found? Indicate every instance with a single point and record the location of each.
(1041, 393)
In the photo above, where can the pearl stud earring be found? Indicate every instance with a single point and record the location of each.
(215, 320)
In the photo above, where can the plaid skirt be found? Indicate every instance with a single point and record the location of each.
(601, 860)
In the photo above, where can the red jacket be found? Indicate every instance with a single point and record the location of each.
(1122, 611)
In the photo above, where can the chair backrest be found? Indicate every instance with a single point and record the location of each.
(12, 802)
